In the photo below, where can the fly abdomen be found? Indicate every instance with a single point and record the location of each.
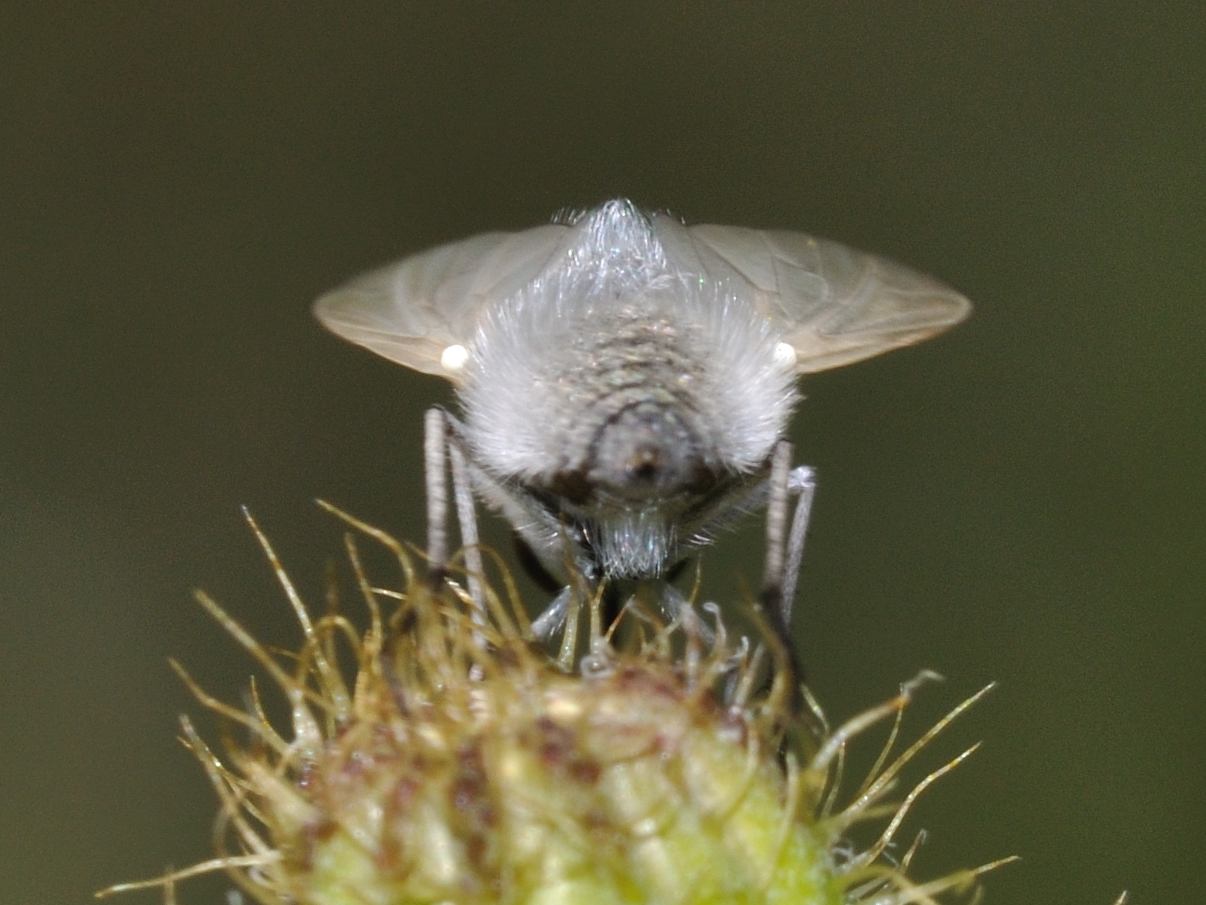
(634, 433)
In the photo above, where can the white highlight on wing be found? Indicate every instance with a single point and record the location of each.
(453, 358)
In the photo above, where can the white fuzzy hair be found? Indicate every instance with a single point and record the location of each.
(523, 379)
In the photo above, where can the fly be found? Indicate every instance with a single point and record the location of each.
(625, 382)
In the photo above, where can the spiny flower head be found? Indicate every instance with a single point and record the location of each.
(441, 756)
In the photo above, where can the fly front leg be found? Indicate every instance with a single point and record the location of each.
(553, 618)
(677, 607)
(561, 615)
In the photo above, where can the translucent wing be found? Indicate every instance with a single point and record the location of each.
(411, 311)
(836, 305)
(833, 304)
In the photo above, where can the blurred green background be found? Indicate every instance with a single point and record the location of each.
(1020, 500)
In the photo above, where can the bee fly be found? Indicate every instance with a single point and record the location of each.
(625, 382)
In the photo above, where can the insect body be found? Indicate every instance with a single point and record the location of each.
(625, 380)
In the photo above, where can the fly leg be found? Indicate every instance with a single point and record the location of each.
(441, 447)
(540, 532)
(466, 515)
(435, 444)
(784, 546)
(802, 484)
(554, 615)
(677, 608)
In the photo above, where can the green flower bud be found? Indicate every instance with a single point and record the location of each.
(452, 760)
